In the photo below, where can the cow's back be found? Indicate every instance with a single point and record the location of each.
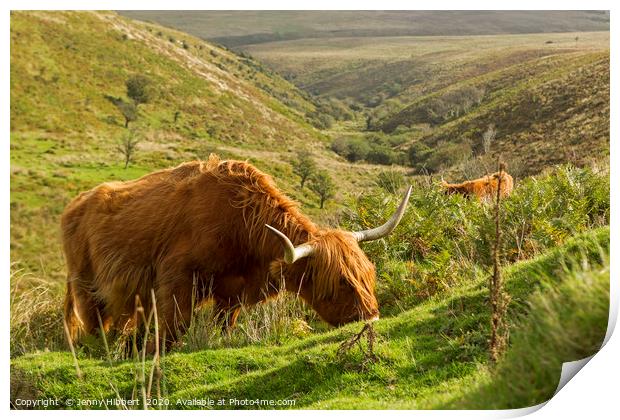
(105, 197)
(111, 206)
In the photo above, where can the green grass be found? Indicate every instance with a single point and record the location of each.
(431, 356)
(565, 322)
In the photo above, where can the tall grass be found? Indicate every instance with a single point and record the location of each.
(36, 313)
(444, 240)
(276, 321)
(565, 321)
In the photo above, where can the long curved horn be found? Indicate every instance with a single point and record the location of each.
(388, 227)
(291, 253)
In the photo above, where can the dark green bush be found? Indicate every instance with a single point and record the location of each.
(418, 153)
(320, 120)
(381, 155)
(373, 148)
(139, 89)
(448, 154)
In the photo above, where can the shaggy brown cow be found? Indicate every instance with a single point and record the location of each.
(207, 230)
(484, 188)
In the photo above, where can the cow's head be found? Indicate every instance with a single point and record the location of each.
(332, 273)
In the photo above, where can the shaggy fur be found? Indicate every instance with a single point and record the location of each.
(197, 232)
(484, 188)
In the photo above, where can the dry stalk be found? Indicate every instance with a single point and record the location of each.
(140, 375)
(155, 368)
(499, 299)
(75, 360)
(369, 354)
(105, 339)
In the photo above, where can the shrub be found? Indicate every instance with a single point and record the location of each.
(128, 146)
(381, 155)
(391, 181)
(304, 166)
(373, 148)
(323, 185)
(320, 120)
(418, 153)
(448, 154)
(548, 209)
(139, 89)
(353, 149)
(129, 111)
(335, 108)
(447, 239)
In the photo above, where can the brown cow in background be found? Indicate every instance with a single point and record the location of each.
(216, 230)
(484, 188)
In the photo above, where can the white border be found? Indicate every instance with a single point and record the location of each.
(592, 393)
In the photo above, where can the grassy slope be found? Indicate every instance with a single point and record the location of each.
(431, 356)
(557, 113)
(565, 322)
(208, 85)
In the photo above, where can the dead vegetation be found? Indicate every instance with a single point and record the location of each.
(368, 354)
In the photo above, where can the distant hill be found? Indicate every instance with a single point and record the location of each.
(547, 95)
(235, 28)
(546, 112)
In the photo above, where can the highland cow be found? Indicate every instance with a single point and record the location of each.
(215, 230)
(484, 188)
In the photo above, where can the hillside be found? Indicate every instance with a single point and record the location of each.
(420, 88)
(367, 69)
(429, 357)
(236, 28)
(220, 96)
(552, 112)
(432, 98)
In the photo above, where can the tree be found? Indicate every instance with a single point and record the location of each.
(139, 89)
(358, 149)
(304, 166)
(129, 111)
(488, 137)
(323, 186)
(128, 146)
